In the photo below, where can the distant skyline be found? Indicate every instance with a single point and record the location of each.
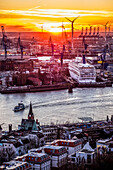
(31, 15)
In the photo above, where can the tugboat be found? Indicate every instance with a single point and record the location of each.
(19, 107)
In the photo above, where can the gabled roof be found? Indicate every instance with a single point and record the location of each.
(87, 147)
(27, 121)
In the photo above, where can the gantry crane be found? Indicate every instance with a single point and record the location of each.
(19, 43)
(4, 41)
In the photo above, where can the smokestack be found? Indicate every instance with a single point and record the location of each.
(10, 127)
(112, 118)
(83, 58)
(0, 131)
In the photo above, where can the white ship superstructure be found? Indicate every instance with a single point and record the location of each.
(82, 73)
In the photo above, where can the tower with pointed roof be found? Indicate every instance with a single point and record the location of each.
(30, 114)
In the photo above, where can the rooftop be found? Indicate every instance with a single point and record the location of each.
(86, 151)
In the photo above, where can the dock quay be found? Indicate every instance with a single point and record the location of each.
(24, 89)
(98, 84)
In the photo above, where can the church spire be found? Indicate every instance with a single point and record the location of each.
(30, 114)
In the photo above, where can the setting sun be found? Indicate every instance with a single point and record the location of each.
(55, 30)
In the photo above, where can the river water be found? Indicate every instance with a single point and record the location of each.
(58, 106)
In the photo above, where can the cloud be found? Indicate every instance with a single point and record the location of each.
(31, 19)
(18, 28)
(53, 13)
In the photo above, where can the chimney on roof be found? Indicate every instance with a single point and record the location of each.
(10, 127)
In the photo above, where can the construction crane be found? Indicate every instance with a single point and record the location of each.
(82, 31)
(86, 31)
(94, 31)
(109, 29)
(97, 31)
(63, 31)
(42, 28)
(105, 29)
(72, 22)
(52, 46)
(19, 43)
(4, 41)
(90, 30)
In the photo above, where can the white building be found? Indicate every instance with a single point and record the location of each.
(105, 145)
(85, 156)
(8, 150)
(58, 155)
(14, 165)
(50, 132)
(72, 146)
(38, 161)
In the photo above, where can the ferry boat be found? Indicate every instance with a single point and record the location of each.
(19, 107)
(82, 72)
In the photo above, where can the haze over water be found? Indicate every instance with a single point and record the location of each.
(58, 106)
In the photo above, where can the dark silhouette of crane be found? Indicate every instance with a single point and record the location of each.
(82, 31)
(94, 31)
(90, 29)
(97, 31)
(86, 31)
(19, 43)
(52, 46)
(105, 29)
(63, 32)
(4, 41)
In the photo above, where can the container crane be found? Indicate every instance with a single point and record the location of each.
(82, 31)
(94, 31)
(86, 32)
(52, 46)
(106, 29)
(21, 46)
(90, 29)
(4, 41)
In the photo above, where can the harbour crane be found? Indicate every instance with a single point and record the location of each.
(4, 41)
(52, 45)
(94, 30)
(19, 43)
(86, 31)
(90, 30)
(97, 31)
(82, 31)
(42, 28)
(109, 29)
(63, 31)
(106, 28)
(72, 22)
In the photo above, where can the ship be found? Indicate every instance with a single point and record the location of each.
(82, 72)
(19, 107)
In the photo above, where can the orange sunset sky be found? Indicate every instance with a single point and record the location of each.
(30, 15)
